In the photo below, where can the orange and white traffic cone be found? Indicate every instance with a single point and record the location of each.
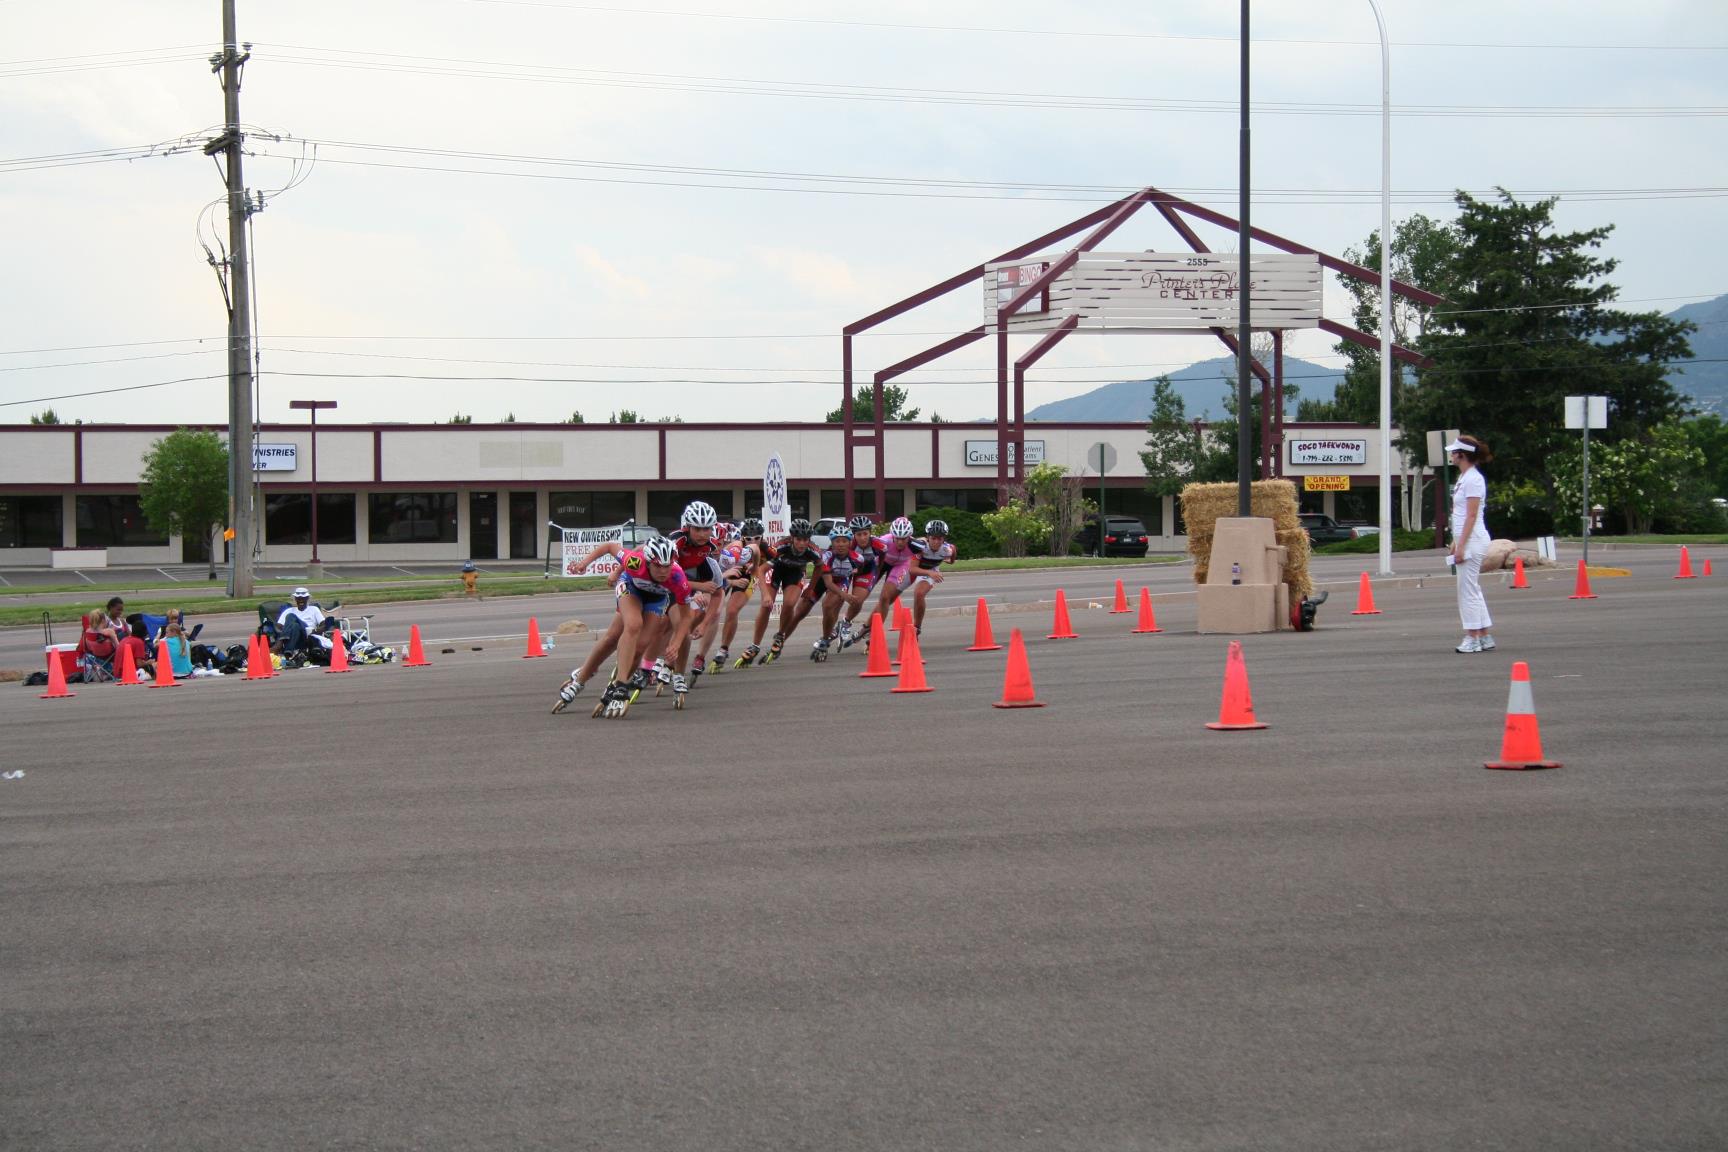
(1121, 606)
(911, 665)
(1521, 745)
(1581, 591)
(57, 689)
(1236, 709)
(878, 663)
(535, 647)
(1518, 580)
(1061, 629)
(127, 674)
(1148, 622)
(1685, 572)
(164, 668)
(1365, 599)
(338, 652)
(983, 640)
(416, 657)
(1017, 680)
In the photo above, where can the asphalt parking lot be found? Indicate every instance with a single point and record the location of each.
(409, 908)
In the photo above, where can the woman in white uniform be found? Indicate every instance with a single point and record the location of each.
(1470, 540)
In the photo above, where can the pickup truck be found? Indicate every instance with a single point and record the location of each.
(1322, 529)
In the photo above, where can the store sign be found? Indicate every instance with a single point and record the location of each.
(1325, 483)
(1312, 452)
(274, 457)
(982, 453)
(775, 522)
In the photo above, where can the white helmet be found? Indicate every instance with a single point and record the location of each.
(901, 528)
(700, 514)
(660, 550)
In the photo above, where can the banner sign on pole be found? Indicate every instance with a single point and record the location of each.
(578, 542)
(1325, 483)
(775, 522)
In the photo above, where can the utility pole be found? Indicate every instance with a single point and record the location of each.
(1245, 327)
(241, 513)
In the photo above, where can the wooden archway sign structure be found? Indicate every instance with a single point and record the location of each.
(1010, 409)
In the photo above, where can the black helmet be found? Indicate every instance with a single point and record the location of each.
(936, 528)
(800, 528)
(750, 527)
(862, 523)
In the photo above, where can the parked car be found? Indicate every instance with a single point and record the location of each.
(1123, 536)
(822, 531)
(1322, 529)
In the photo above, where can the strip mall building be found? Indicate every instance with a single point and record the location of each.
(404, 492)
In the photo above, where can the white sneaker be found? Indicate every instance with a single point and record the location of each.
(1471, 644)
(1486, 644)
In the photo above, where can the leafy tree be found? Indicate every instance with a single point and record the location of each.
(1530, 322)
(458, 418)
(1059, 500)
(1174, 445)
(1641, 479)
(46, 416)
(894, 408)
(509, 418)
(670, 420)
(627, 416)
(184, 488)
(1016, 526)
(936, 418)
(575, 418)
(1709, 434)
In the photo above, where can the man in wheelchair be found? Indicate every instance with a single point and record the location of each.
(302, 627)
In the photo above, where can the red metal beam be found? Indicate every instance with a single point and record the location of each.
(1399, 352)
(1032, 355)
(934, 352)
(1193, 240)
(1117, 218)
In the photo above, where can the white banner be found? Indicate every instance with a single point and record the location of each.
(274, 457)
(578, 542)
(982, 453)
(1328, 451)
(774, 517)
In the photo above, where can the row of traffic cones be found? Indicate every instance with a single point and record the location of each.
(1062, 627)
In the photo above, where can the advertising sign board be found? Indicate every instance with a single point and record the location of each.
(982, 453)
(1312, 451)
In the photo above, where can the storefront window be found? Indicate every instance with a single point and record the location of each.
(115, 522)
(600, 508)
(666, 509)
(410, 518)
(965, 499)
(30, 521)
(288, 518)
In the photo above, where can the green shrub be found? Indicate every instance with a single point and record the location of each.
(965, 530)
(1403, 540)
(1016, 528)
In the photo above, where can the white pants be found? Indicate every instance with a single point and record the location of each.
(1472, 607)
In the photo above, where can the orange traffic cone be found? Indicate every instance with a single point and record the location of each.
(57, 689)
(1518, 580)
(899, 653)
(128, 671)
(1061, 629)
(1236, 709)
(1706, 566)
(1017, 681)
(1582, 590)
(338, 652)
(256, 656)
(164, 668)
(535, 648)
(912, 664)
(1521, 746)
(416, 657)
(1121, 606)
(1148, 622)
(983, 640)
(1685, 572)
(267, 658)
(1365, 599)
(878, 664)
(902, 618)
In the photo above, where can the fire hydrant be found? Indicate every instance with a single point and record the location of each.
(470, 579)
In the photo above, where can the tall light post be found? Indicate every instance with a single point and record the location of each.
(1385, 295)
(313, 406)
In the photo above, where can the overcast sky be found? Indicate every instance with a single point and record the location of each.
(604, 192)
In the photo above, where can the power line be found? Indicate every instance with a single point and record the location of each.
(1063, 32)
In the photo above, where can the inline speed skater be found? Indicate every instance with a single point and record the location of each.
(786, 567)
(741, 563)
(929, 553)
(896, 565)
(698, 554)
(647, 586)
(868, 564)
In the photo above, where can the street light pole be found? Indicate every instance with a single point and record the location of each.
(1385, 295)
(313, 406)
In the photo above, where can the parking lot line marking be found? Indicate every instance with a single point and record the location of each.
(81, 575)
(169, 574)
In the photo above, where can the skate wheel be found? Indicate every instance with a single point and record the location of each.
(557, 705)
(598, 708)
(659, 688)
(678, 703)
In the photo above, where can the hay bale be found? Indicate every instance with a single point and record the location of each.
(1204, 504)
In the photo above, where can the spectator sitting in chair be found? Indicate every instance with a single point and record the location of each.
(108, 633)
(301, 625)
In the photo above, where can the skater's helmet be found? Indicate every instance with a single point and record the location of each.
(799, 529)
(750, 529)
(862, 523)
(700, 514)
(901, 528)
(660, 550)
(841, 532)
(936, 528)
